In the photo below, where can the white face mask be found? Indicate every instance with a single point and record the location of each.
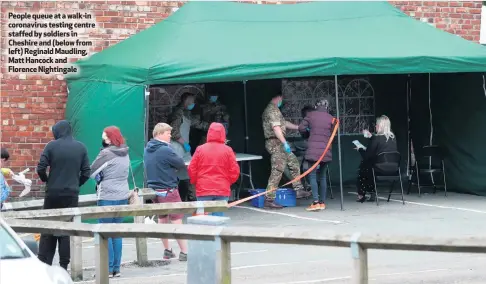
(104, 137)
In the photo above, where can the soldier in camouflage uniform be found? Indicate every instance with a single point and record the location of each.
(181, 119)
(214, 111)
(274, 129)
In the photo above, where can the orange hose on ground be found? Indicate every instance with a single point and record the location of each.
(336, 126)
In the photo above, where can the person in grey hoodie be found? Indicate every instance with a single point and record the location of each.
(113, 189)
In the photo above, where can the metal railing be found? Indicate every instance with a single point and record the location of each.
(77, 215)
(359, 244)
(84, 200)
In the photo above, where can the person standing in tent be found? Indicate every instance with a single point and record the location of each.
(274, 129)
(214, 111)
(319, 126)
(181, 119)
(300, 145)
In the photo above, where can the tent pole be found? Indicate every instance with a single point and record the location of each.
(408, 126)
(339, 142)
(147, 120)
(246, 117)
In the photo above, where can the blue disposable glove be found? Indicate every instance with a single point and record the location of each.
(287, 147)
(187, 147)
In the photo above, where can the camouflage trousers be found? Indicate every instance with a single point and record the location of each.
(279, 160)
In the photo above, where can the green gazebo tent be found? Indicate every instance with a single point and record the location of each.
(206, 42)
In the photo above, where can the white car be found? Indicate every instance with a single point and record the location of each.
(18, 264)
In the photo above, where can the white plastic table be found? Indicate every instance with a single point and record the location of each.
(241, 158)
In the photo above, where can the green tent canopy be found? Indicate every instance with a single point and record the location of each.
(207, 42)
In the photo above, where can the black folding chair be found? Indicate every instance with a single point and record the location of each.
(431, 162)
(387, 168)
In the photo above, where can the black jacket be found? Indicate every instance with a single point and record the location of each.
(67, 160)
(377, 145)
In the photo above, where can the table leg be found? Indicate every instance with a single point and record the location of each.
(242, 174)
(250, 176)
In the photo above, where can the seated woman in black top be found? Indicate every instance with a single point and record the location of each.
(382, 141)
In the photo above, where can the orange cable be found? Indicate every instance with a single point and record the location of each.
(301, 175)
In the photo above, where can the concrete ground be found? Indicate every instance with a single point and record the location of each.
(431, 215)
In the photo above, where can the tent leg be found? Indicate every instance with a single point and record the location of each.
(246, 117)
(147, 118)
(431, 141)
(246, 136)
(408, 127)
(339, 143)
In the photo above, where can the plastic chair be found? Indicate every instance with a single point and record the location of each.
(387, 168)
(430, 161)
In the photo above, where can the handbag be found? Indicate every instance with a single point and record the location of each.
(133, 197)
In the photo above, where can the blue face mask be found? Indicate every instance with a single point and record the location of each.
(279, 104)
(191, 106)
(213, 99)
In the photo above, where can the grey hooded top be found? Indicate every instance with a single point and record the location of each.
(115, 163)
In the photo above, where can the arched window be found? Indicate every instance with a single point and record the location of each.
(356, 101)
(163, 98)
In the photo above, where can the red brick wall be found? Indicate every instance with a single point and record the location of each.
(457, 17)
(32, 103)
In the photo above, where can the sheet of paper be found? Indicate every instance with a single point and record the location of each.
(359, 145)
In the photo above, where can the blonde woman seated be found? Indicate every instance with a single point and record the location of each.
(382, 141)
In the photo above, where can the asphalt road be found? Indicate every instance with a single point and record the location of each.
(430, 215)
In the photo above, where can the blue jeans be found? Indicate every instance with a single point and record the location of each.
(319, 192)
(114, 244)
(214, 198)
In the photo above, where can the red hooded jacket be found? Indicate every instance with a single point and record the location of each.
(213, 168)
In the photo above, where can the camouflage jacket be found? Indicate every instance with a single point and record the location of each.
(175, 121)
(272, 117)
(214, 112)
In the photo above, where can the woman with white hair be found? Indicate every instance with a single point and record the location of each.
(383, 141)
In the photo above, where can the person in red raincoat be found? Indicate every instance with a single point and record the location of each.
(213, 168)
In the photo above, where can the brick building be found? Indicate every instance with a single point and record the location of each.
(30, 104)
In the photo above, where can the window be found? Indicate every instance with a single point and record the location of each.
(164, 98)
(9, 248)
(356, 101)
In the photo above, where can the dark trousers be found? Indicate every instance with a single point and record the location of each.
(48, 243)
(187, 191)
(365, 182)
